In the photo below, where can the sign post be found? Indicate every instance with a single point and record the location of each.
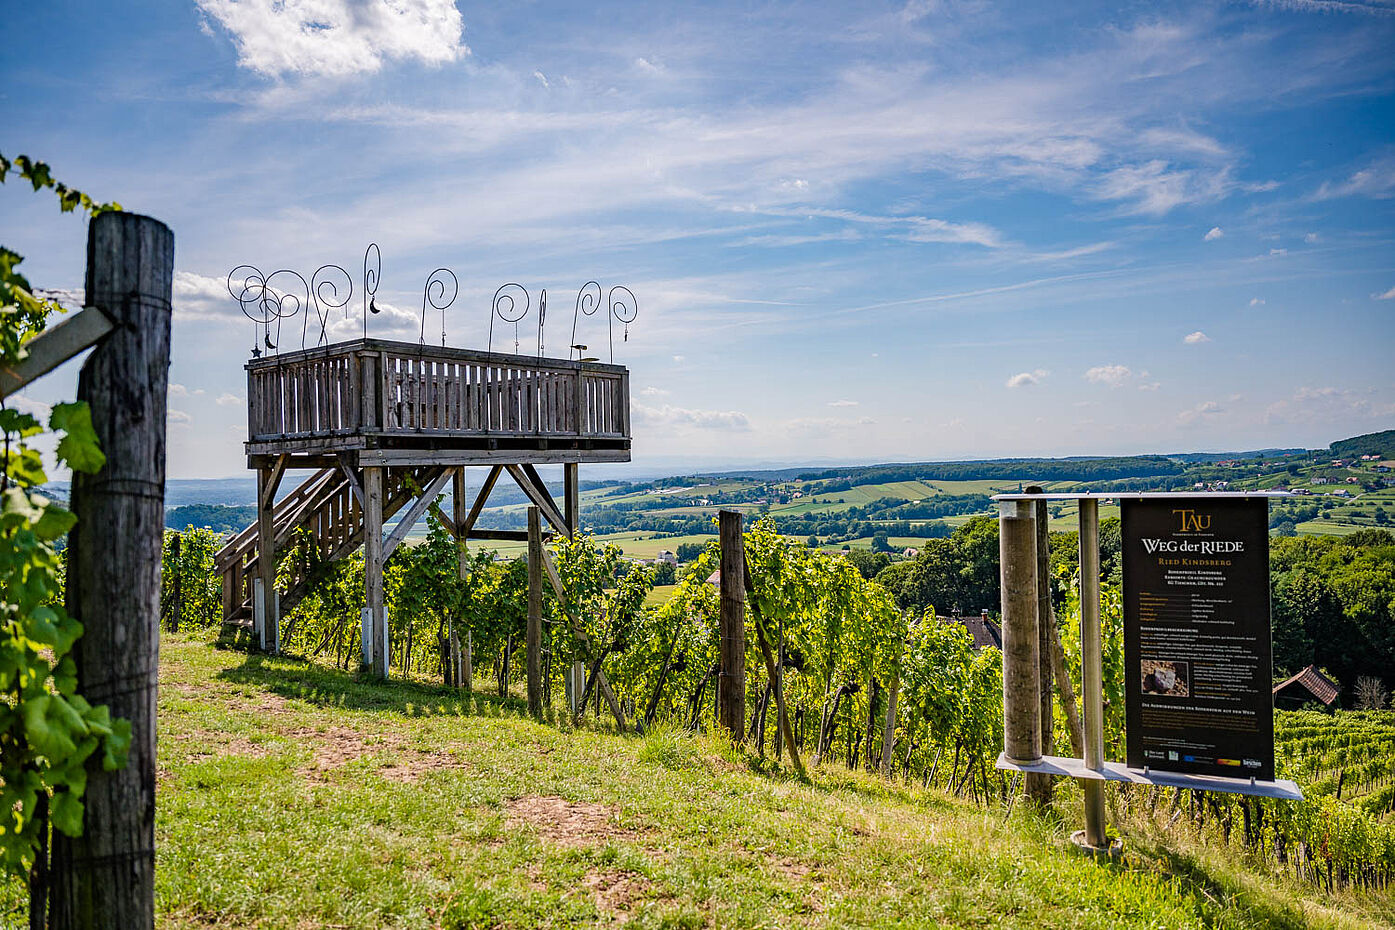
(1197, 659)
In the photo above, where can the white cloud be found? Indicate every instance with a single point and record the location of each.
(652, 391)
(1156, 187)
(179, 390)
(1025, 378)
(1213, 234)
(1387, 295)
(542, 78)
(1329, 407)
(670, 417)
(645, 66)
(1112, 375)
(1256, 301)
(1149, 386)
(179, 418)
(678, 359)
(1196, 338)
(1376, 180)
(338, 37)
(1201, 412)
(1278, 251)
(842, 403)
(229, 400)
(814, 426)
(1311, 238)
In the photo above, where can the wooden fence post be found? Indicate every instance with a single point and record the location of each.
(535, 581)
(177, 577)
(464, 661)
(1017, 542)
(105, 879)
(1040, 787)
(731, 681)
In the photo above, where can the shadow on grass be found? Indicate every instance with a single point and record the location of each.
(315, 684)
(1212, 888)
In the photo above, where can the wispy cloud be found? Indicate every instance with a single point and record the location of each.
(1376, 180)
(670, 417)
(1196, 338)
(1214, 233)
(1385, 295)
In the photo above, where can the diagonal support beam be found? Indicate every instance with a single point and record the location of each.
(530, 482)
(579, 634)
(352, 477)
(273, 482)
(409, 519)
(463, 530)
(55, 346)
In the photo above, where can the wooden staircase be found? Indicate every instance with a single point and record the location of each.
(327, 507)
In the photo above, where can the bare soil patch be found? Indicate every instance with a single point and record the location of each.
(566, 823)
(615, 893)
(338, 746)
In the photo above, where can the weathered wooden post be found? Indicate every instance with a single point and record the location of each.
(1017, 541)
(1091, 672)
(375, 645)
(731, 680)
(464, 661)
(535, 581)
(176, 595)
(1039, 786)
(106, 877)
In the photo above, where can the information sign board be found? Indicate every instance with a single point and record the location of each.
(1197, 656)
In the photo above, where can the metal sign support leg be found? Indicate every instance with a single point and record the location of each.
(1091, 672)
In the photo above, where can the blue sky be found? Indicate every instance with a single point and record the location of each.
(857, 232)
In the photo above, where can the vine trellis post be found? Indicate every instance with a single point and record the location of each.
(105, 878)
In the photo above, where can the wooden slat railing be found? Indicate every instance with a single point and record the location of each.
(373, 386)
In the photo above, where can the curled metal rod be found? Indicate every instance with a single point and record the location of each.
(331, 288)
(438, 284)
(372, 272)
(507, 302)
(588, 299)
(542, 319)
(624, 308)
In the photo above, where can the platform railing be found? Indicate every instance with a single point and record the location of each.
(394, 388)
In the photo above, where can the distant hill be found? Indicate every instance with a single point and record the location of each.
(217, 517)
(1382, 443)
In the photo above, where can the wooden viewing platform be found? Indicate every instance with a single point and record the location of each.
(385, 426)
(377, 402)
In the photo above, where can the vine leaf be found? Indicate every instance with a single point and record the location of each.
(78, 448)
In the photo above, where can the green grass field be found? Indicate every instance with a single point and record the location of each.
(294, 796)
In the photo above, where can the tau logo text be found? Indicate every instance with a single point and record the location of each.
(1193, 522)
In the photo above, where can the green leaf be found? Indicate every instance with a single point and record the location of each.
(79, 448)
(117, 745)
(50, 725)
(65, 811)
(54, 521)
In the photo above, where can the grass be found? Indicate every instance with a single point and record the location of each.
(292, 795)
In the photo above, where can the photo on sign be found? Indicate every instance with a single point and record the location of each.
(1165, 678)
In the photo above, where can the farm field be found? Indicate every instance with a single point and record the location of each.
(292, 795)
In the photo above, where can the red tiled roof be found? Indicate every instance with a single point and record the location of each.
(1314, 682)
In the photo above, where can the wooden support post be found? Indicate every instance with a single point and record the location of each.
(375, 649)
(1017, 542)
(731, 680)
(1039, 786)
(265, 623)
(535, 583)
(889, 725)
(105, 878)
(464, 667)
(571, 493)
(1091, 671)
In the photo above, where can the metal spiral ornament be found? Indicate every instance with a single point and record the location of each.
(624, 308)
(247, 284)
(508, 300)
(542, 319)
(372, 272)
(331, 288)
(439, 283)
(283, 294)
(588, 300)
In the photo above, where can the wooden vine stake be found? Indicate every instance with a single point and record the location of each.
(777, 684)
(105, 878)
(535, 582)
(731, 679)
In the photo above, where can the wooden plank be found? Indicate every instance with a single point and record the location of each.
(571, 483)
(54, 346)
(409, 519)
(267, 492)
(375, 645)
(731, 683)
(499, 535)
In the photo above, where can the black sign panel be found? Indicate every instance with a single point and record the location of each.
(1197, 664)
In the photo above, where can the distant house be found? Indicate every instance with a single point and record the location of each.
(911, 553)
(666, 556)
(1306, 687)
(984, 631)
(1370, 458)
